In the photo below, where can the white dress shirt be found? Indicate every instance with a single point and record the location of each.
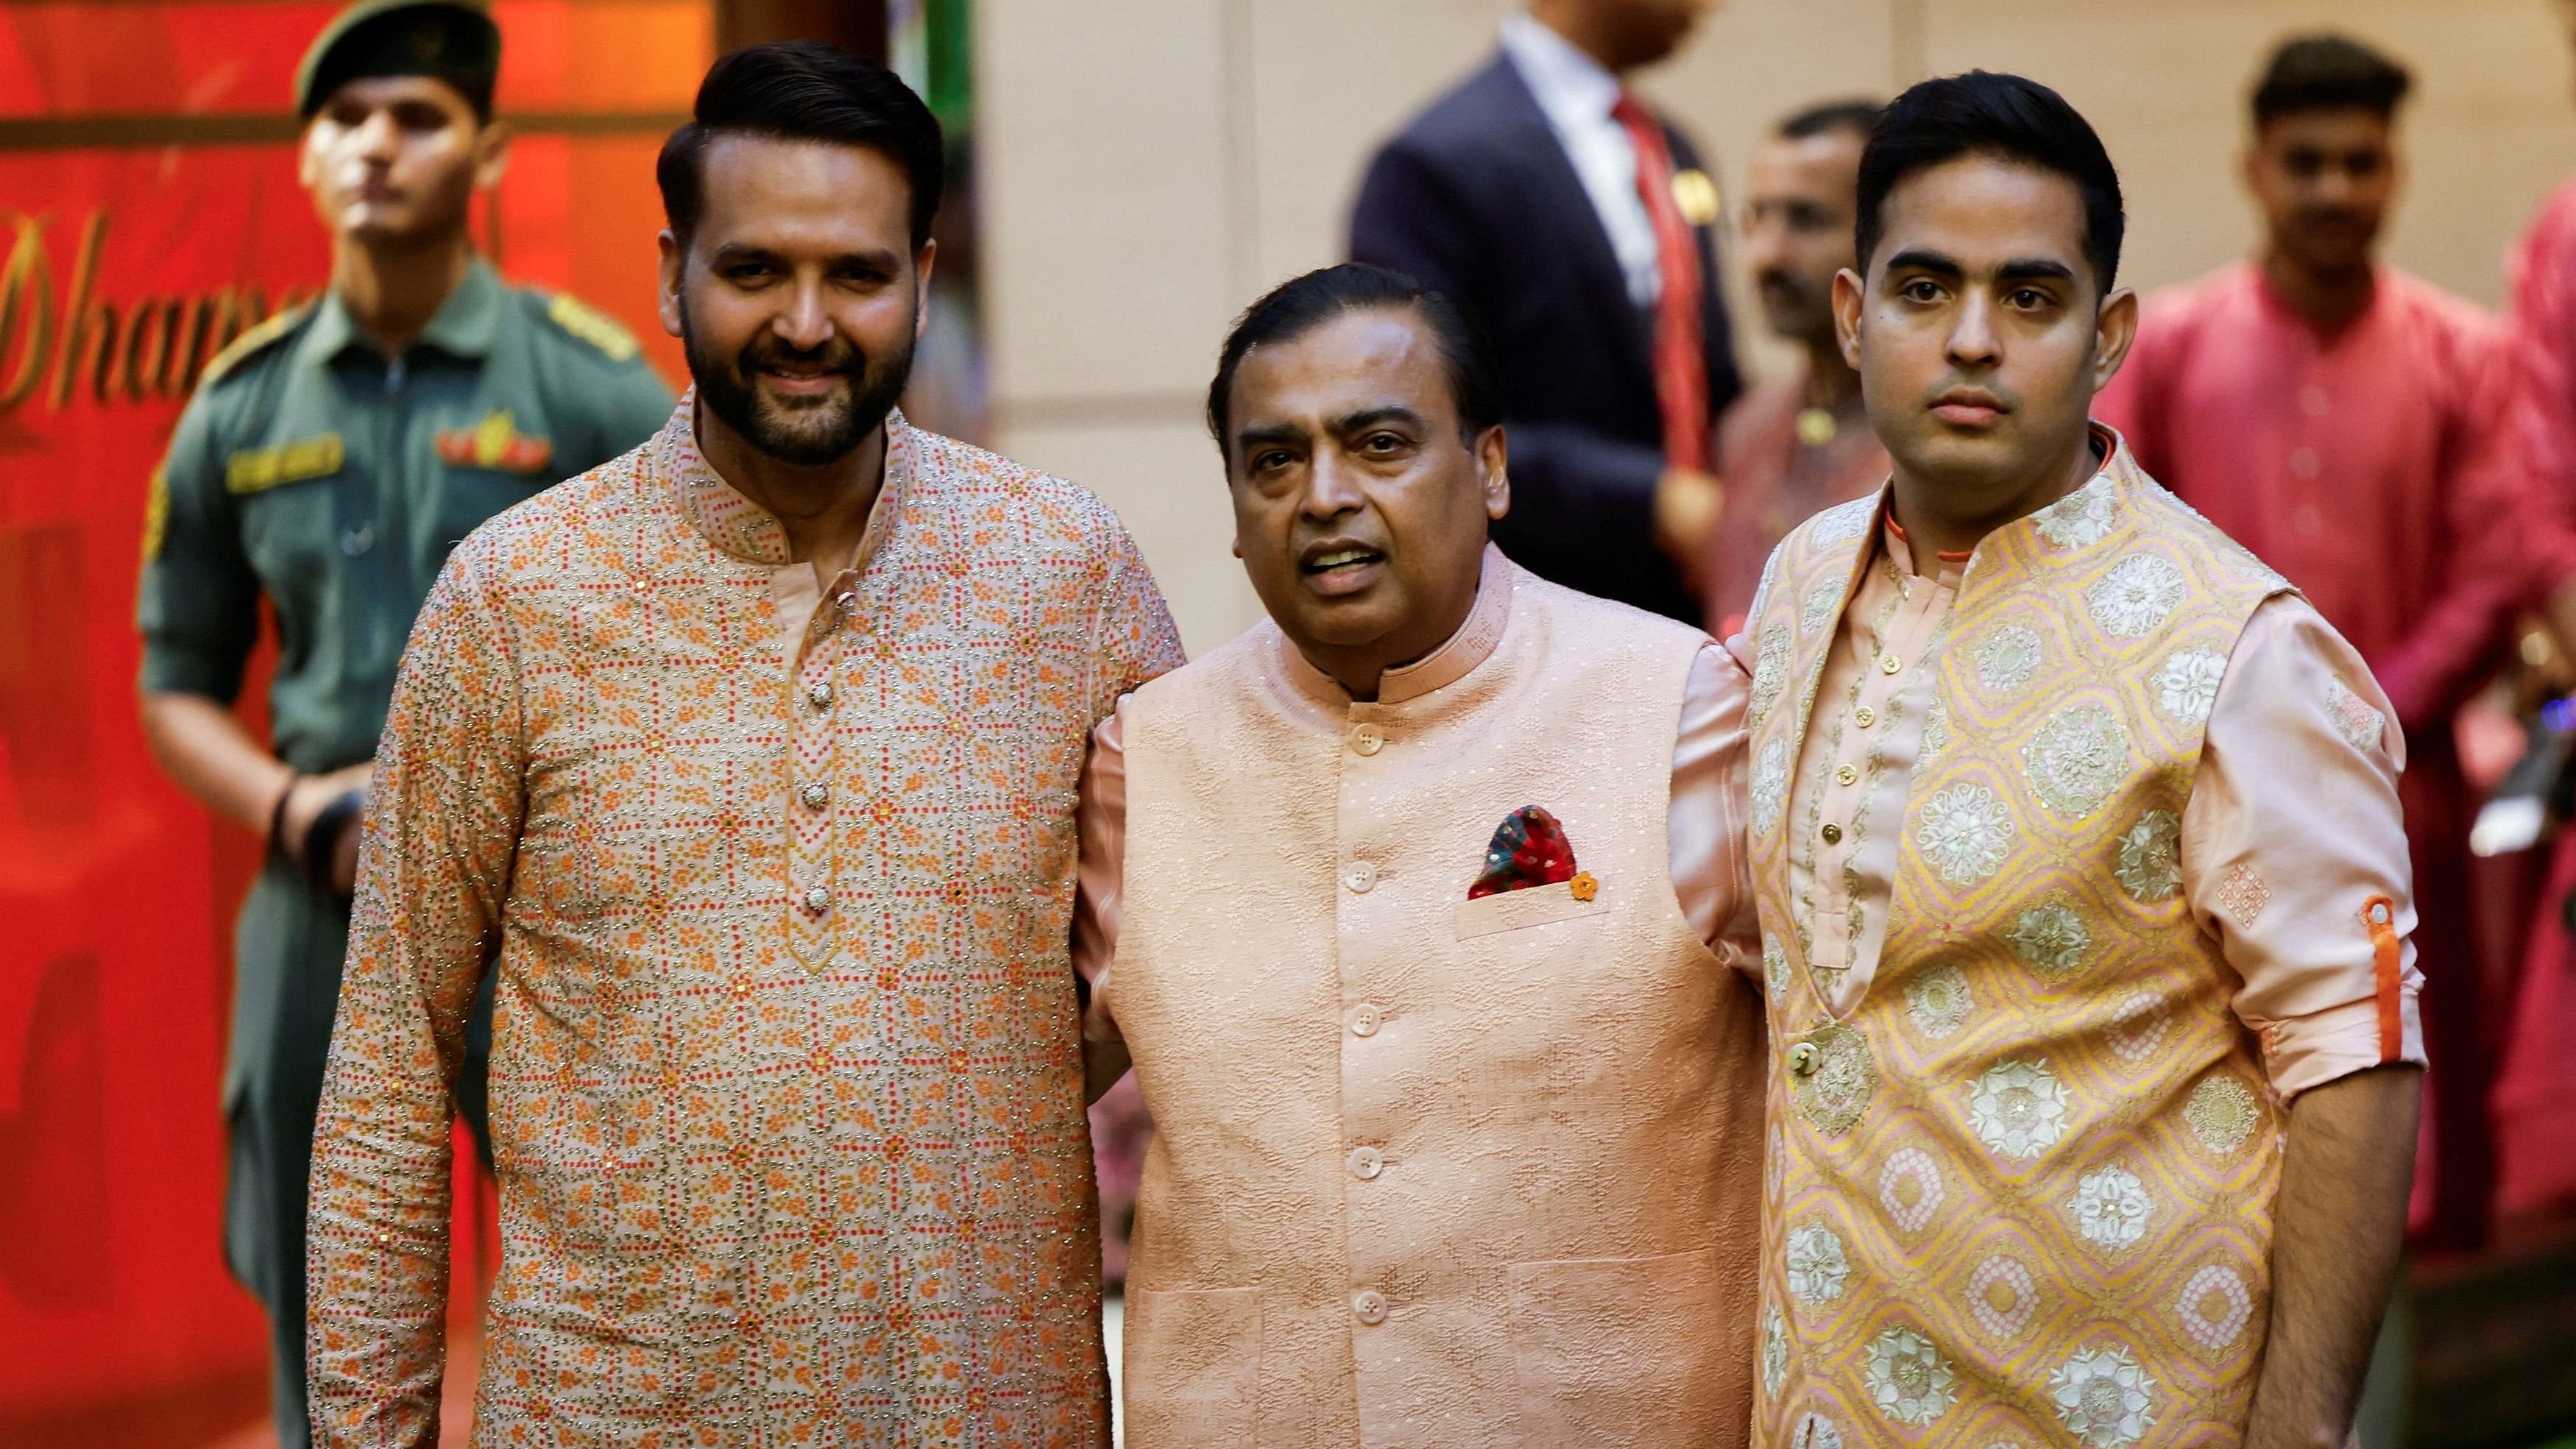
(1576, 94)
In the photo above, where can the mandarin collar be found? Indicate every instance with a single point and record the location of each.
(2116, 468)
(742, 529)
(1472, 644)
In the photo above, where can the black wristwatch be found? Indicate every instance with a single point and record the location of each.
(322, 838)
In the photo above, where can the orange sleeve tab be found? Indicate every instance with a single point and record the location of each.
(2379, 913)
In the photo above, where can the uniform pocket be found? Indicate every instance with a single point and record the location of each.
(1193, 1371)
(1625, 1351)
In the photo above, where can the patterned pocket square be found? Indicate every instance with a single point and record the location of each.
(1529, 849)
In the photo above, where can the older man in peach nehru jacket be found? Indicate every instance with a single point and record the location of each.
(1419, 908)
(2082, 881)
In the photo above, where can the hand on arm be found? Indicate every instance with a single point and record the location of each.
(202, 745)
(2335, 1237)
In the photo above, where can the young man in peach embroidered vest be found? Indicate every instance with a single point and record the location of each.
(1431, 947)
(2081, 876)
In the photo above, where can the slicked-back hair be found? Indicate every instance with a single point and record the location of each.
(803, 90)
(2327, 72)
(1857, 116)
(2006, 116)
(1301, 304)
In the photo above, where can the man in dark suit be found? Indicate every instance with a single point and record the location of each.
(1575, 226)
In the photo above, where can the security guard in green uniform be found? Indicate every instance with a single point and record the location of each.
(331, 458)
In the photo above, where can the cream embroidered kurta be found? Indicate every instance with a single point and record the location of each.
(2075, 858)
(1432, 1170)
(786, 1099)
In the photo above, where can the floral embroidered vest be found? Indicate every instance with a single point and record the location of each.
(2021, 1193)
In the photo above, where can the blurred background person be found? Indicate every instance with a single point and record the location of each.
(1577, 228)
(2343, 419)
(2535, 1092)
(329, 461)
(1791, 447)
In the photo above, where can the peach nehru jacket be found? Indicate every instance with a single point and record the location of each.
(1434, 1170)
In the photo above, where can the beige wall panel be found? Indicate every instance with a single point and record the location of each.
(2489, 131)
(1331, 79)
(1168, 488)
(1103, 198)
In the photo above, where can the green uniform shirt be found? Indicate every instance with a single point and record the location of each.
(311, 469)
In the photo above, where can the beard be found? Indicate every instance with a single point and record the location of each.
(806, 431)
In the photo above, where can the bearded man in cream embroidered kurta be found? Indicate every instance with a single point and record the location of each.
(2075, 862)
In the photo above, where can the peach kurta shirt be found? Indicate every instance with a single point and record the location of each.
(2274, 852)
(775, 877)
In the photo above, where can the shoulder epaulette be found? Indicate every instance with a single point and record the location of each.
(593, 326)
(258, 339)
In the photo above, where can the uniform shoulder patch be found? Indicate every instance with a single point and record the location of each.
(156, 512)
(261, 337)
(593, 326)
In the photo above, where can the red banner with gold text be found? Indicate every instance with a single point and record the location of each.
(149, 211)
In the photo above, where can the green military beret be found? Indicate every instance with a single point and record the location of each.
(450, 40)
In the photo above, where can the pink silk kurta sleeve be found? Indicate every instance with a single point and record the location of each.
(1100, 823)
(1704, 829)
(1704, 833)
(2292, 831)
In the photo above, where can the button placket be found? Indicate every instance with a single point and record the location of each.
(814, 906)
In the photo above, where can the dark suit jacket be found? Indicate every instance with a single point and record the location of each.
(1476, 200)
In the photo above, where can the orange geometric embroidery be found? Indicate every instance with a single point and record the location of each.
(2242, 894)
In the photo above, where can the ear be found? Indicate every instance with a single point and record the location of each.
(1493, 459)
(1849, 292)
(492, 155)
(2115, 326)
(921, 264)
(308, 158)
(2249, 165)
(673, 265)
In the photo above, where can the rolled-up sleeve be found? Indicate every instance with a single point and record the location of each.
(2294, 852)
(198, 600)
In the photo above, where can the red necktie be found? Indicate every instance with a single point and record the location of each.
(1681, 364)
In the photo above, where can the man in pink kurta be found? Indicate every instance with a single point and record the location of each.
(2535, 1096)
(1421, 910)
(2343, 420)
